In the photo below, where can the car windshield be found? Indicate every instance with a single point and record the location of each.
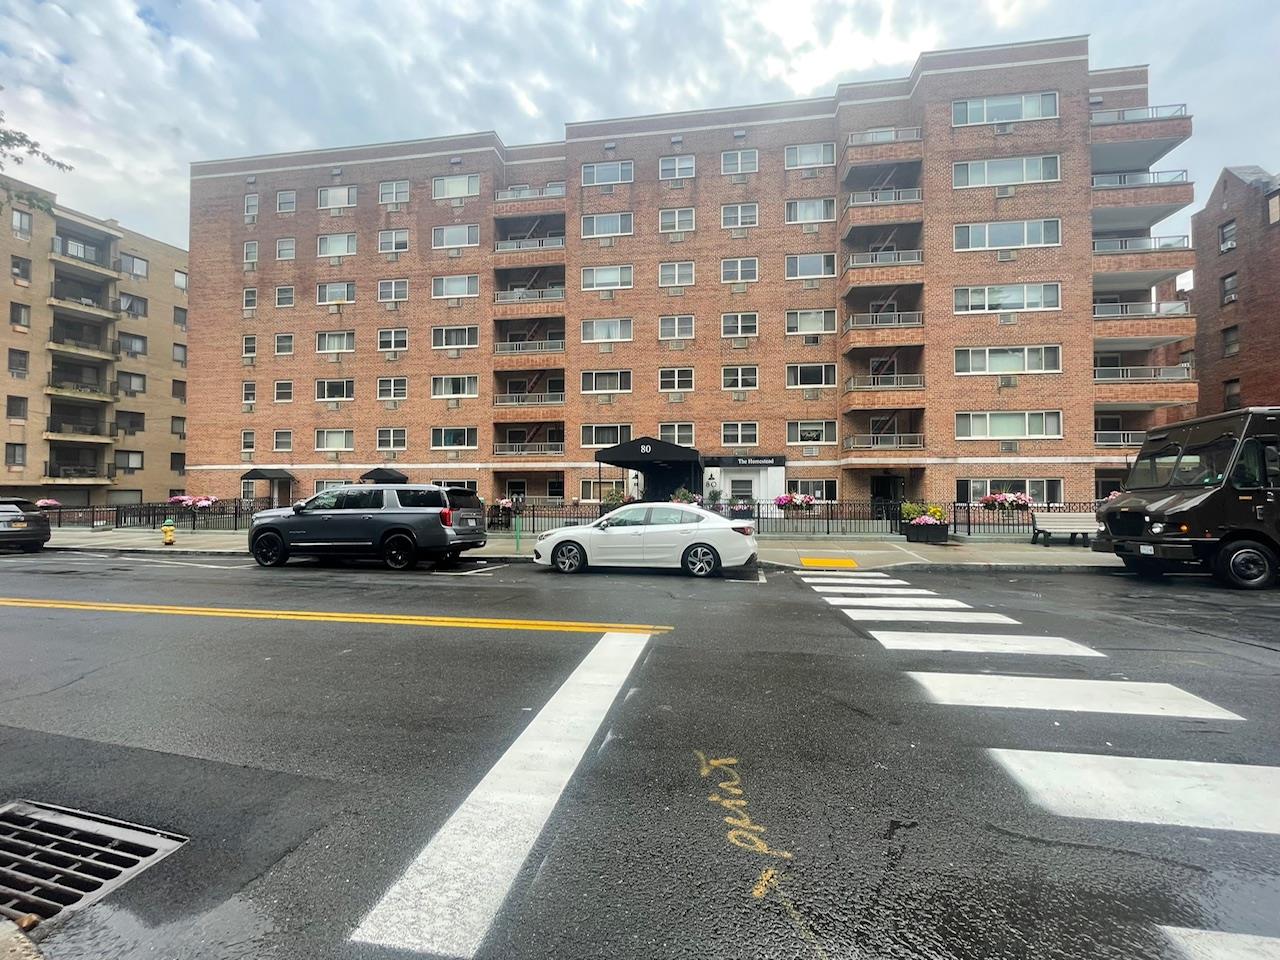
(1194, 456)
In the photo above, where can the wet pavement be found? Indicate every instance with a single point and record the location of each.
(914, 769)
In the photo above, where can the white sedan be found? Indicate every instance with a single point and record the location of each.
(651, 535)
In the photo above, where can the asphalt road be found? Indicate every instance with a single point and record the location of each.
(356, 786)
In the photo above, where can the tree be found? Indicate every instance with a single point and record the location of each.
(15, 148)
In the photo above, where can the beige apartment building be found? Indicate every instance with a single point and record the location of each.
(96, 359)
(936, 287)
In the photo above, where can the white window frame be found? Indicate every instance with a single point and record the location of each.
(181, 280)
(595, 444)
(250, 204)
(791, 155)
(737, 269)
(276, 345)
(349, 341)
(797, 257)
(444, 294)
(291, 298)
(675, 267)
(626, 172)
(348, 438)
(738, 332)
(438, 236)
(438, 382)
(390, 291)
(676, 319)
(390, 438)
(590, 231)
(595, 374)
(739, 156)
(984, 487)
(676, 214)
(248, 440)
(620, 285)
(470, 438)
(1023, 309)
(825, 385)
(399, 337)
(472, 336)
(286, 201)
(1026, 415)
(724, 370)
(987, 183)
(672, 167)
(800, 426)
(393, 388)
(350, 243)
(675, 428)
(984, 101)
(793, 319)
(323, 193)
(248, 347)
(287, 385)
(674, 376)
(790, 210)
(249, 298)
(248, 391)
(322, 385)
(286, 248)
(349, 293)
(986, 354)
(282, 447)
(251, 251)
(393, 241)
(738, 208)
(394, 188)
(446, 182)
(622, 322)
(804, 485)
(738, 425)
(986, 234)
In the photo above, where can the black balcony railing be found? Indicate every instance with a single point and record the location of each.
(76, 470)
(79, 250)
(64, 381)
(81, 297)
(84, 428)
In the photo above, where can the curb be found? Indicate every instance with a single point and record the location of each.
(14, 945)
(243, 554)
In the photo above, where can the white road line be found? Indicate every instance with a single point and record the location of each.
(927, 616)
(485, 569)
(981, 643)
(909, 603)
(1183, 793)
(1217, 945)
(833, 582)
(760, 576)
(187, 563)
(879, 588)
(810, 575)
(446, 900)
(1052, 693)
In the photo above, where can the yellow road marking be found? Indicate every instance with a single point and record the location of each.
(318, 616)
(845, 562)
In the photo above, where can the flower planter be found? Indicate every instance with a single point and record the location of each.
(742, 513)
(925, 532)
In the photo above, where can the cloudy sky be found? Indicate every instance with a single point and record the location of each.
(131, 92)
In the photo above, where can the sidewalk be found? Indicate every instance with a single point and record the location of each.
(866, 554)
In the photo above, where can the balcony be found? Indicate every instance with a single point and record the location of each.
(528, 346)
(72, 386)
(1135, 201)
(1144, 374)
(883, 268)
(886, 144)
(1141, 325)
(898, 329)
(528, 399)
(882, 205)
(1143, 388)
(528, 449)
(528, 295)
(70, 345)
(880, 258)
(1135, 138)
(1139, 263)
(527, 354)
(1119, 438)
(78, 473)
(528, 243)
(884, 441)
(891, 381)
(1137, 114)
(81, 301)
(883, 391)
(83, 258)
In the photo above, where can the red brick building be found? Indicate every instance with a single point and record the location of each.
(1237, 290)
(933, 286)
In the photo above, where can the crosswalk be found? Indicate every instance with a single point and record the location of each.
(1140, 790)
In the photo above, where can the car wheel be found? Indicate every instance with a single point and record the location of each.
(269, 550)
(568, 558)
(1246, 565)
(31, 547)
(700, 560)
(399, 552)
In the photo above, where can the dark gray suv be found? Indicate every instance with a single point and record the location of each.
(401, 523)
(23, 524)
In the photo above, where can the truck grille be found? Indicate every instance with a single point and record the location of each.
(1125, 524)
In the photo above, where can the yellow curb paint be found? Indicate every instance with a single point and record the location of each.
(318, 616)
(844, 563)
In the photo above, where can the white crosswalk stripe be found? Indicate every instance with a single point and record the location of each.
(926, 616)
(807, 576)
(1217, 945)
(890, 591)
(909, 603)
(1050, 693)
(981, 643)
(887, 582)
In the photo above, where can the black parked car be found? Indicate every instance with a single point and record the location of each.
(23, 524)
(401, 523)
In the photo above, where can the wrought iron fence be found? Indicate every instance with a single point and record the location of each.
(223, 515)
(974, 518)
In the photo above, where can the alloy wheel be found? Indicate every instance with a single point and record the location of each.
(700, 561)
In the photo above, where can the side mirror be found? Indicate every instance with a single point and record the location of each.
(299, 506)
(603, 525)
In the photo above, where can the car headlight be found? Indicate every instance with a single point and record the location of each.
(1157, 528)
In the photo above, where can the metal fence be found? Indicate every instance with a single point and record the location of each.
(973, 518)
(223, 515)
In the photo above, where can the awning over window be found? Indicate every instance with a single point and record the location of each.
(384, 475)
(266, 473)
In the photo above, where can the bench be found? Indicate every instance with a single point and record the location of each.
(1074, 524)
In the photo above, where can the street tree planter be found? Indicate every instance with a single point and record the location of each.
(925, 532)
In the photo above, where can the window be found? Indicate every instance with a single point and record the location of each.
(679, 274)
(675, 220)
(284, 391)
(323, 485)
(19, 315)
(1008, 297)
(810, 265)
(1227, 236)
(610, 330)
(286, 201)
(134, 266)
(449, 338)
(248, 346)
(249, 298)
(459, 285)
(250, 204)
(735, 215)
(15, 454)
(248, 391)
(811, 431)
(454, 438)
(333, 198)
(822, 210)
(130, 460)
(676, 327)
(739, 161)
(392, 438)
(740, 270)
(393, 191)
(335, 389)
(615, 171)
(1006, 234)
(811, 322)
(465, 386)
(1230, 341)
(607, 225)
(246, 441)
(180, 280)
(605, 434)
(284, 344)
(335, 245)
(178, 426)
(393, 338)
(1231, 395)
(739, 378)
(801, 375)
(335, 341)
(1230, 285)
(335, 440)
(593, 490)
(675, 168)
(19, 361)
(335, 293)
(393, 291)
(1040, 490)
(131, 421)
(1012, 425)
(286, 248)
(396, 241)
(606, 278)
(458, 185)
(675, 378)
(21, 221)
(739, 324)
(1273, 208)
(131, 383)
(284, 296)
(1004, 109)
(282, 441)
(393, 388)
(606, 381)
(681, 433)
(133, 304)
(454, 235)
(180, 353)
(811, 155)
(177, 389)
(251, 251)
(979, 360)
(15, 408)
(996, 173)
(180, 316)
(739, 433)
(818, 489)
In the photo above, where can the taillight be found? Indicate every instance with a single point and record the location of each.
(745, 531)
(446, 517)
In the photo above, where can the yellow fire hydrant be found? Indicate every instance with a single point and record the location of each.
(167, 528)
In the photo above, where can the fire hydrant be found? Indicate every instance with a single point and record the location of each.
(167, 528)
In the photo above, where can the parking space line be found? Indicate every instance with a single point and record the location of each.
(446, 900)
(981, 643)
(188, 563)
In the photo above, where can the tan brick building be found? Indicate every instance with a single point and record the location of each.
(933, 286)
(96, 353)
(1237, 291)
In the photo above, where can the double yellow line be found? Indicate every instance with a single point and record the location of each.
(317, 616)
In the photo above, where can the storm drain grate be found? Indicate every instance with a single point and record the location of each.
(53, 860)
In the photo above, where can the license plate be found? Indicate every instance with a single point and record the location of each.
(17, 524)
(469, 522)
(1147, 549)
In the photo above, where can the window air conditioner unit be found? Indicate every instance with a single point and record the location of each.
(1004, 256)
(675, 397)
(675, 237)
(1231, 298)
(738, 234)
(606, 294)
(1008, 380)
(389, 454)
(182, 436)
(812, 394)
(131, 393)
(1227, 245)
(392, 305)
(391, 355)
(675, 184)
(250, 218)
(810, 451)
(453, 403)
(335, 308)
(605, 399)
(809, 228)
(453, 354)
(812, 284)
(739, 343)
(1008, 446)
(452, 455)
(391, 404)
(811, 173)
(737, 288)
(1008, 318)
(1005, 191)
(248, 361)
(811, 340)
(738, 178)
(246, 408)
(606, 348)
(334, 405)
(251, 266)
(739, 395)
(606, 188)
(1003, 128)
(676, 344)
(456, 202)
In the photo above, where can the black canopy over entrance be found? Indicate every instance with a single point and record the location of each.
(384, 475)
(664, 466)
(266, 473)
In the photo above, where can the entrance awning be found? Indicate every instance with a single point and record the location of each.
(665, 466)
(266, 473)
(384, 475)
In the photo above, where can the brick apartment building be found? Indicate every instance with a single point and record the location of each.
(932, 286)
(1237, 291)
(96, 358)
